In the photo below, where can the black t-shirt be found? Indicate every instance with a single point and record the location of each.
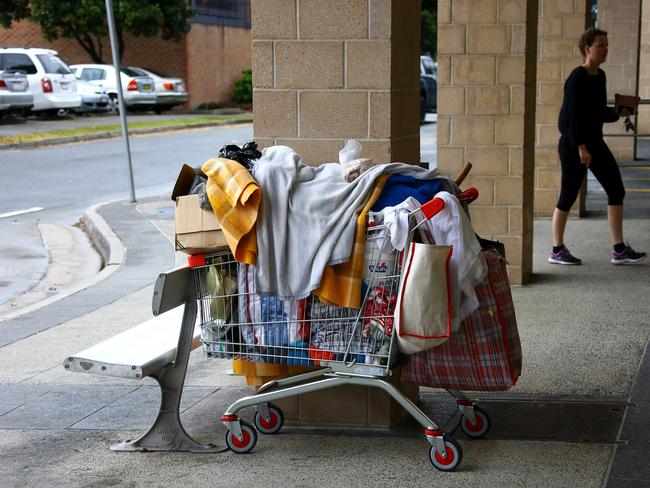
(584, 108)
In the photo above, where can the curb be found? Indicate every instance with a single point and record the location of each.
(102, 236)
(116, 134)
(109, 246)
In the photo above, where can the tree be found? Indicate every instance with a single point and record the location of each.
(429, 27)
(85, 20)
(11, 10)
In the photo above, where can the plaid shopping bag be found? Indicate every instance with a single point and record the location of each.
(485, 353)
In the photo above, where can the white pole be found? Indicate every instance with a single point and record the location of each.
(120, 97)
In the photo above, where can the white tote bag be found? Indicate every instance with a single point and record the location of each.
(423, 313)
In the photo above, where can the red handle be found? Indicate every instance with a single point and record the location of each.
(432, 207)
(196, 260)
(468, 195)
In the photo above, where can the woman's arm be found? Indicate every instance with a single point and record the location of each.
(576, 109)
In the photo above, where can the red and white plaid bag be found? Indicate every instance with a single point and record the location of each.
(485, 353)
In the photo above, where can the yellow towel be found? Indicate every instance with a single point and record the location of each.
(235, 197)
(341, 284)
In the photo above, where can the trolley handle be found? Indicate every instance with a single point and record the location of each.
(435, 205)
(468, 195)
(432, 207)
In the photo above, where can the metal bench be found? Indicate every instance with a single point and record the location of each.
(159, 348)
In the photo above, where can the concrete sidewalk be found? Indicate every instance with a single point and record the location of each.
(578, 417)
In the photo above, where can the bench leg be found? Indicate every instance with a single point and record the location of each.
(167, 432)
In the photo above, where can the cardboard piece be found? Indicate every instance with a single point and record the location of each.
(197, 230)
(183, 182)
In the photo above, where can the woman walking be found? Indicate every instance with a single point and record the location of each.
(584, 110)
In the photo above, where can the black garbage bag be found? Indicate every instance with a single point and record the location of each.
(198, 188)
(245, 155)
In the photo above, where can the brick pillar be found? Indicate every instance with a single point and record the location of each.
(644, 70)
(620, 18)
(561, 23)
(325, 71)
(486, 109)
(329, 70)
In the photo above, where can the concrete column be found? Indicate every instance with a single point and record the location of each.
(620, 18)
(486, 109)
(561, 23)
(329, 70)
(644, 70)
(325, 71)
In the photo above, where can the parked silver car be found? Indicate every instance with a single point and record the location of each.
(138, 90)
(170, 91)
(15, 96)
(93, 98)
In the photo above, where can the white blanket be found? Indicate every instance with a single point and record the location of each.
(307, 218)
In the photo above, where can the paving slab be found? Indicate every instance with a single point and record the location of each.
(81, 459)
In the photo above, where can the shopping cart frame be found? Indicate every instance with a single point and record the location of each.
(445, 452)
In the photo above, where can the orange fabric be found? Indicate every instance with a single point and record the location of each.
(259, 373)
(235, 198)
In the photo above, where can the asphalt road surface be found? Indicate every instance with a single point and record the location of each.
(55, 184)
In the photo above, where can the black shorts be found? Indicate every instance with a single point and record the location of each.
(603, 166)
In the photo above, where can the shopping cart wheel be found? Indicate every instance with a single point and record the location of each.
(478, 428)
(273, 424)
(246, 443)
(453, 458)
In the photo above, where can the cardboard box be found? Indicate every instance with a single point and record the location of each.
(197, 230)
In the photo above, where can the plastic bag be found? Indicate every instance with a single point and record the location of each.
(351, 160)
(246, 155)
(198, 188)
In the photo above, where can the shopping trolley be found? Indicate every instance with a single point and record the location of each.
(348, 346)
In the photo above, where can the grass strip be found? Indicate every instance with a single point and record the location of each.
(99, 129)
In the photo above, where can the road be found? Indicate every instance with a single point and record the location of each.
(54, 185)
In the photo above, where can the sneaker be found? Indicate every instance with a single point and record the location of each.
(563, 256)
(627, 255)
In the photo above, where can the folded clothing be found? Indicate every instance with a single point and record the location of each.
(399, 187)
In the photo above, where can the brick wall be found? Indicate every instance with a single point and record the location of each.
(151, 52)
(486, 107)
(644, 70)
(561, 23)
(328, 70)
(620, 18)
(216, 56)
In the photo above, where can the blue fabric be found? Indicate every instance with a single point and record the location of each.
(399, 187)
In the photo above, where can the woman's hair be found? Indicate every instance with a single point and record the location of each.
(588, 38)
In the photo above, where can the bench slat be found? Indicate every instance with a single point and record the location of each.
(137, 352)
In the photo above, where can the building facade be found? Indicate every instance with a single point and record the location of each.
(210, 57)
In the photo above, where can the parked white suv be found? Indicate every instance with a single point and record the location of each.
(51, 82)
(139, 91)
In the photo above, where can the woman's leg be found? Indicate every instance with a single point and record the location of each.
(606, 171)
(615, 221)
(573, 174)
(559, 224)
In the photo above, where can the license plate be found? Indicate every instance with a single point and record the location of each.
(65, 86)
(146, 87)
(17, 86)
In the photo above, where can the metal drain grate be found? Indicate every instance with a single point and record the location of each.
(557, 421)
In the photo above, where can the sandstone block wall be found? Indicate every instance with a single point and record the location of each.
(486, 110)
(329, 70)
(561, 23)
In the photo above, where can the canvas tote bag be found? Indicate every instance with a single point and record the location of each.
(423, 309)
